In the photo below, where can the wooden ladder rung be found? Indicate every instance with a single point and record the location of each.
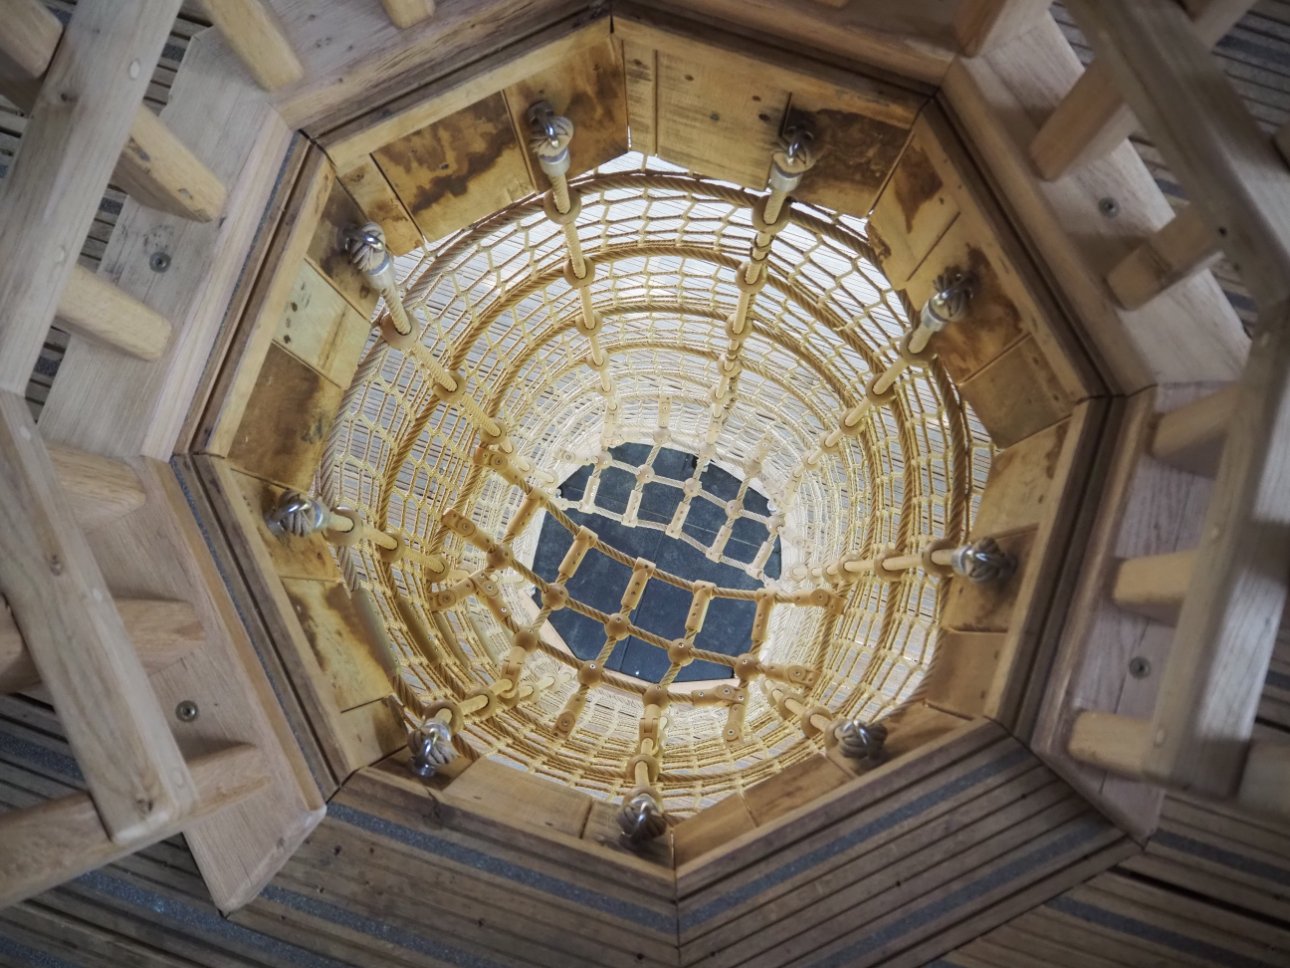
(94, 308)
(162, 632)
(405, 13)
(99, 489)
(1093, 119)
(1191, 437)
(256, 36)
(1109, 741)
(45, 845)
(1154, 585)
(155, 168)
(1180, 249)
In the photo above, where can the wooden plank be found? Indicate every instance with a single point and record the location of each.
(431, 169)
(288, 416)
(319, 327)
(710, 828)
(981, 25)
(1017, 394)
(159, 552)
(534, 800)
(1093, 118)
(375, 196)
(77, 129)
(162, 632)
(351, 144)
(1238, 182)
(587, 87)
(1184, 246)
(340, 642)
(1190, 333)
(131, 763)
(405, 13)
(1229, 619)
(988, 607)
(1154, 585)
(341, 214)
(1191, 437)
(640, 84)
(963, 671)
(46, 845)
(1020, 487)
(95, 309)
(98, 489)
(253, 30)
(796, 786)
(109, 404)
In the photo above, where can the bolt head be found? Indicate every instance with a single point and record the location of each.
(186, 711)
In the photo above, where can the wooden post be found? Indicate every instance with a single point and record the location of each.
(1235, 178)
(94, 308)
(255, 34)
(162, 633)
(1185, 246)
(43, 846)
(405, 13)
(980, 25)
(1191, 437)
(1092, 119)
(156, 169)
(92, 91)
(117, 729)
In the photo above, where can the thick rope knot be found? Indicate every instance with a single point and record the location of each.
(366, 248)
(950, 301)
(983, 562)
(431, 748)
(297, 514)
(641, 819)
(860, 741)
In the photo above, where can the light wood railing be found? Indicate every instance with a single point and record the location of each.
(1226, 598)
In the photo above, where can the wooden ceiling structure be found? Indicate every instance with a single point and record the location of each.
(1094, 775)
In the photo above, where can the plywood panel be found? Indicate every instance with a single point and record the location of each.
(375, 196)
(972, 607)
(589, 89)
(965, 666)
(339, 641)
(1017, 493)
(307, 557)
(452, 173)
(287, 419)
(640, 71)
(1017, 394)
(798, 785)
(710, 828)
(341, 214)
(319, 327)
(530, 799)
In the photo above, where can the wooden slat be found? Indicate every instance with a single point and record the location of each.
(45, 845)
(78, 127)
(1185, 246)
(980, 25)
(162, 632)
(122, 739)
(1191, 437)
(1154, 585)
(1093, 117)
(1236, 179)
(98, 489)
(255, 33)
(94, 308)
(405, 13)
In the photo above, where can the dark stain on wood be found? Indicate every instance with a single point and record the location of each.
(855, 156)
(1017, 395)
(286, 423)
(915, 182)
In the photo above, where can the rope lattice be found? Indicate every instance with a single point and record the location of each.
(644, 306)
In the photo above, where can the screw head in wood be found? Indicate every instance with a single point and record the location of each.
(1139, 667)
(159, 261)
(186, 711)
(1109, 207)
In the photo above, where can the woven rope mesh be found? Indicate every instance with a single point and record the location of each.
(495, 307)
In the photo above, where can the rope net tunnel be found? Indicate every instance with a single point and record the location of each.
(650, 483)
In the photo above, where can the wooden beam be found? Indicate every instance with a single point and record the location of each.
(162, 632)
(27, 45)
(43, 846)
(980, 25)
(1185, 246)
(256, 36)
(1233, 174)
(92, 91)
(1118, 744)
(405, 13)
(1191, 438)
(1229, 619)
(1093, 118)
(158, 170)
(1154, 585)
(98, 489)
(94, 308)
(120, 735)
